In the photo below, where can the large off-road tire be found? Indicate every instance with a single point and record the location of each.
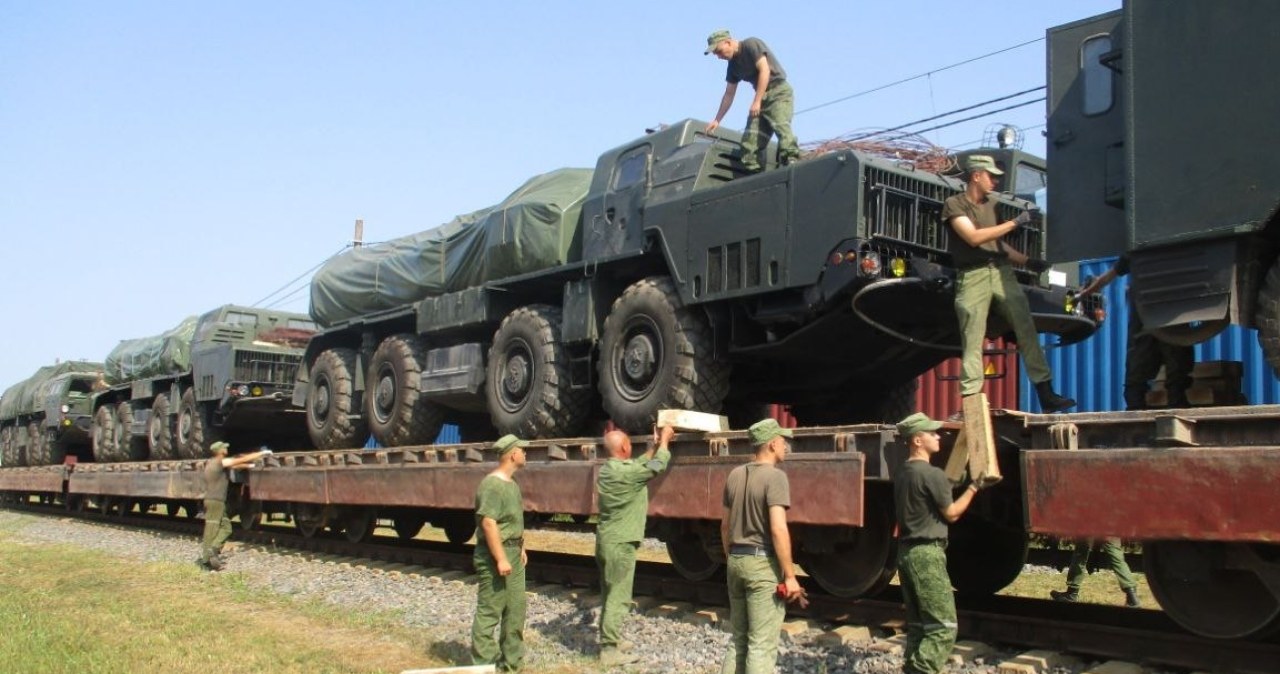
(655, 353)
(128, 448)
(104, 434)
(398, 413)
(193, 434)
(528, 388)
(1267, 317)
(333, 413)
(37, 445)
(7, 456)
(867, 406)
(160, 438)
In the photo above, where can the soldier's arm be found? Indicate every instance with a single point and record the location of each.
(781, 536)
(724, 532)
(493, 540)
(762, 83)
(730, 90)
(953, 512)
(974, 236)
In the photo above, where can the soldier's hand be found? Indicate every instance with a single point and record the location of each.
(524, 557)
(713, 126)
(664, 435)
(1027, 219)
(504, 567)
(796, 594)
(754, 110)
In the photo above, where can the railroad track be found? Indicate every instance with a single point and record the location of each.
(1086, 630)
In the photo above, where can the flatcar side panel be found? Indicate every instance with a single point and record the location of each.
(1211, 494)
(301, 485)
(43, 479)
(166, 484)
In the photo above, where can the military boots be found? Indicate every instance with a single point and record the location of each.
(1069, 594)
(1050, 401)
(1131, 597)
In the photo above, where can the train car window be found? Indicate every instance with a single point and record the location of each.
(1098, 78)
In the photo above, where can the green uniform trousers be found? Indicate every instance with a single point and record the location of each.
(931, 608)
(977, 290)
(1143, 358)
(776, 111)
(1110, 549)
(617, 564)
(756, 613)
(497, 633)
(217, 529)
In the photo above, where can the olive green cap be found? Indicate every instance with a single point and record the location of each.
(716, 38)
(507, 443)
(916, 423)
(765, 430)
(982, 162)
(218, 446)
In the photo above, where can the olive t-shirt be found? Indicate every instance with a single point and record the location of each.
(749, 492)
(743, 64)
(920, 493)
(215, 480)
(982, 215)
(502, 501)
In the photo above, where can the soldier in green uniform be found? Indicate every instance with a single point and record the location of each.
(924, 506)
(774, 103)
(757, 545)
(984, 277)
(621, 489)
(500, 559)
(1114, 555)
(217, 526)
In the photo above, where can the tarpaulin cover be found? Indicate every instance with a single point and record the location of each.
(26, 396)
(534, 228)
(166, 353)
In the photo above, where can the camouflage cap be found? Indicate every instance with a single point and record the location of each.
(765, 430)
(916, 423)
(716, 38)
(218, 446)
(982, 162)
(507, 443)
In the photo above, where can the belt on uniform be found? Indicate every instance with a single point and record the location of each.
(518, 542)
(992, 263)
(913, 542)
(750, 550)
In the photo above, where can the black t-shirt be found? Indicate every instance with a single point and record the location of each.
(743, 64)
(920, 492)
(982, 215)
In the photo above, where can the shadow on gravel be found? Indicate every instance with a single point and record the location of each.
(575, 630)
(455, 652)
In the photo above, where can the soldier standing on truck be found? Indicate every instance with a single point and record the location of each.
(622, 490)
(771, 108)
(924, 507)
(984, 277)
(217, 526)
(500, 558)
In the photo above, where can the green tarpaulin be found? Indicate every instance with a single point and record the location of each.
(27, 396)
(166, 353)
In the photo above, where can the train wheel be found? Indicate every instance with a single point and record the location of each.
(333, 413)
(458, 529)
(529, 389)
(408, 526)
(852, 561)
(398, 413)
(691, 559)
(1217, 590)
(250, 515)
(309, 519)
(358, 524)
(983, 557)
(104, 434)
(160, 429)
(656, 353)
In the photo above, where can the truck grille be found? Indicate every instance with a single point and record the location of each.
(271, 368)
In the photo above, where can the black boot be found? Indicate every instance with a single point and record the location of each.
(1131, 597)
(1068, 594)
(1050, 401)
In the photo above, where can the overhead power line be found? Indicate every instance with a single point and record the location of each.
(957, 111)
(969, 119)
(297, 278)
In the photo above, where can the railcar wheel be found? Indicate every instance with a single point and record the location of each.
(852, 561)
(691, 559)
(333, 412)
(458, 529)
(1217, 590)
(160, 430)
(250, 515)
(408, 526)
(398, 413)
(529, 391)
(982, 556)
(656, 353)
(358, 524)
(104, 434)
(309, 519)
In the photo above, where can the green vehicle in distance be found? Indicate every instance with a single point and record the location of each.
(47, 417)
(227, 375)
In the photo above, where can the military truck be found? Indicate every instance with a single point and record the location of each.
(46, 417)
(1162, 143)
(227, 375)
(668, 277)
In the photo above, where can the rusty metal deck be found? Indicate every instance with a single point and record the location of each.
(35, 479)
(151, 479)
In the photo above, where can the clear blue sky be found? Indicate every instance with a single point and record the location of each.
(158, 159)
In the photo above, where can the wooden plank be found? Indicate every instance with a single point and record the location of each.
(980, 439)
(685, 420)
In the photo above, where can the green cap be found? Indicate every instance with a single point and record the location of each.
(763, 431)
(916, 423)
(982, 162)
(218, 446)
(507, 443)
(715, 39)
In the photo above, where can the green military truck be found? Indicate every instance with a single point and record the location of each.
(46, 417)
(226, 375)
(666, 277)
(1161, 143)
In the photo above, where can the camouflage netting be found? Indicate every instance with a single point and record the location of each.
(534, 228)
(166, 353)
(27, 396)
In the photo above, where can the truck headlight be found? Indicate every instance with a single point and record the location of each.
(244, 390)
(66, 408)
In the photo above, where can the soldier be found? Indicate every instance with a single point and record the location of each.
(774, 103)
(500, 559)
(757, 545)
(217, 526)
(984, 277)
(624, 504)
(1145, 354)
(1114, 555)
(924, 507)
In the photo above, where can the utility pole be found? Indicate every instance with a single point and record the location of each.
(358, 239)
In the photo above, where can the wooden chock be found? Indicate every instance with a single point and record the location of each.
(980, 439)
(958, 459)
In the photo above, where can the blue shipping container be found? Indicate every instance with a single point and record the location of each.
(449, 435)
(1092, 371)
